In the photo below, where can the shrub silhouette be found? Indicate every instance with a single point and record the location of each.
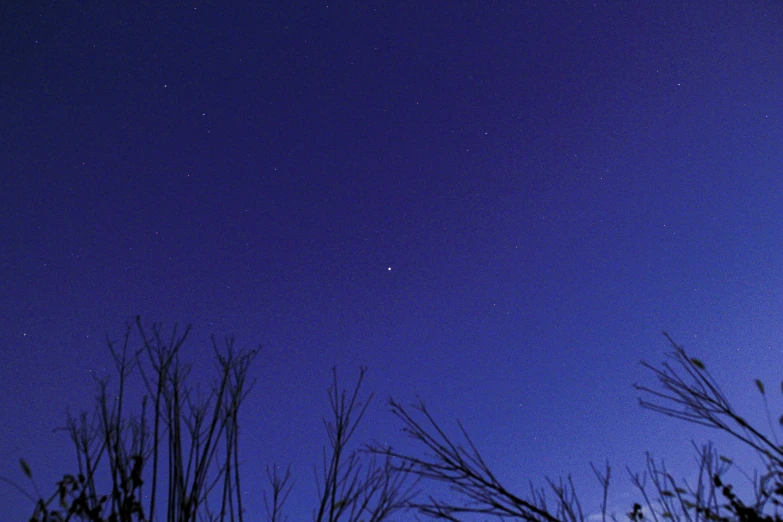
(191, 444)
(198, 441)
(687, 392)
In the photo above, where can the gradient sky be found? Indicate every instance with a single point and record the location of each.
(496, 206)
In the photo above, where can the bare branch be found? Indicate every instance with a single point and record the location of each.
(465, 471)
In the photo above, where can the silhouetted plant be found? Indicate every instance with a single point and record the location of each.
(346, 491)
(281, 487)
(352, 485)
(198, 439)
(192, 444)
(463, 469)
(688, 393)
(196, 436)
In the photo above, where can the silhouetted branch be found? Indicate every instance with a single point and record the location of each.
(692, 394)
(281, 488)
(347, 492)
(186, 431)
(465, 471)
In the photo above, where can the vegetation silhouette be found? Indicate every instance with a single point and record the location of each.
(687, 392)
(191, 444)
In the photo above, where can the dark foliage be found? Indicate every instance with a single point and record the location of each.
(184, 448)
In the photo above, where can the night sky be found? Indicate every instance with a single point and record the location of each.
(496, 206)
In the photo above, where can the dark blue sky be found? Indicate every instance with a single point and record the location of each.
(497, 206)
